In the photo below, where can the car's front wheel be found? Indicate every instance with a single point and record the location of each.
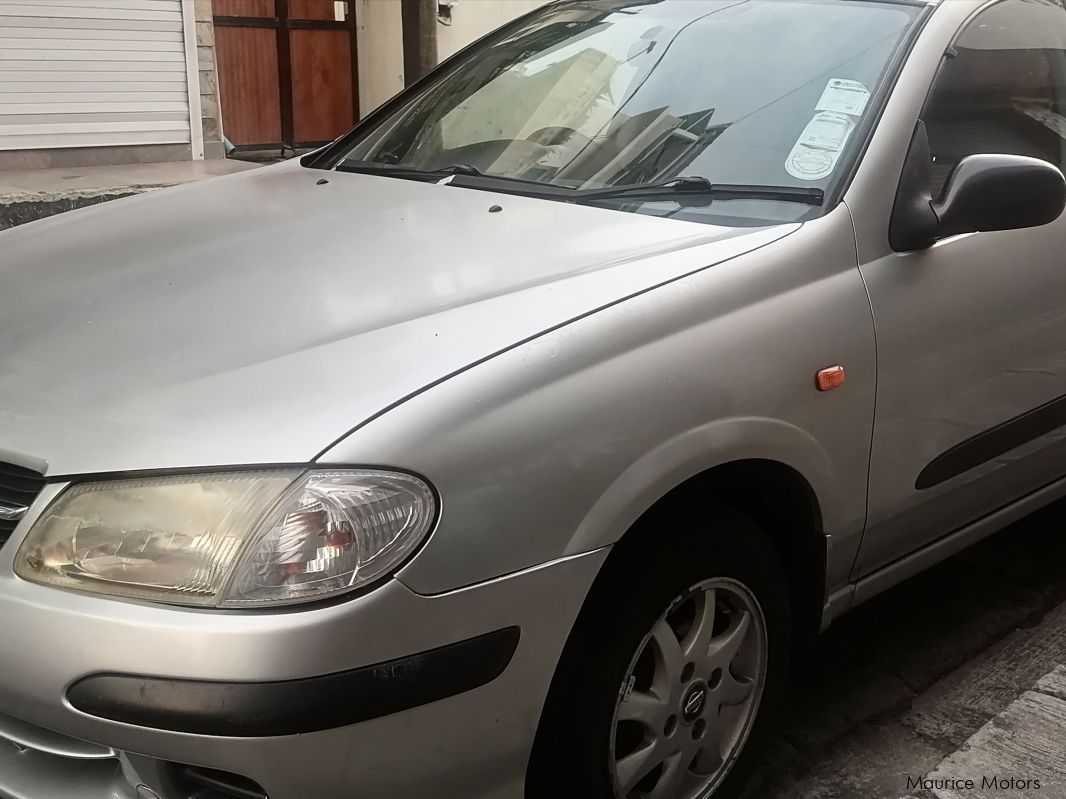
(672, 672)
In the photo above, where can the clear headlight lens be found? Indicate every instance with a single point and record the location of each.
(243, 539)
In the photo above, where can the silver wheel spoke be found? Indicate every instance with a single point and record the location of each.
(634, 767)
(710, 755)
(718, 727)
(675, 777)
(644, 707)
(732, 691)
(697, 643)
(725, 647)
(670, 656)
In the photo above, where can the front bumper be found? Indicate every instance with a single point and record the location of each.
(474, 743)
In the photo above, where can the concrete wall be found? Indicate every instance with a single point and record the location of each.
(18, 160)
(380, 48)
(381, 39)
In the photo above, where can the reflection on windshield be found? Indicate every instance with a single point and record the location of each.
(592, 94)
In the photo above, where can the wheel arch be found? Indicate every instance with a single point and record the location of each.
(775, 495)
(780, 501)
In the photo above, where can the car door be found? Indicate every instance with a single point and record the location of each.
(971, 333)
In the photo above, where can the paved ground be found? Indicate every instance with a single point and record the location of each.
(904, 682)
(1021, 752)
(112, 178)
(38, 193)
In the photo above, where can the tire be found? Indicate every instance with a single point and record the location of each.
(611, 646)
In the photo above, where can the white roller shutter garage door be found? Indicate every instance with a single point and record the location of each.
(88, 73)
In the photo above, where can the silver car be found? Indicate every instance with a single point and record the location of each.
(514, 444)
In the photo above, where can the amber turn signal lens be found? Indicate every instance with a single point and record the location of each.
(829, 378)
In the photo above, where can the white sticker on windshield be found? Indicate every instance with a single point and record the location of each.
(819, 147)
(844, 97)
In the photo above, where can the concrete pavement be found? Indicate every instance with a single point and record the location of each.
(1020, 753)
(34, 194)
(904, 684)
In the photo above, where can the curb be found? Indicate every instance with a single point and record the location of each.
(1019, 753)
(18, 209)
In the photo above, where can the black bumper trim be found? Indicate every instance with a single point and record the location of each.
(290, 707)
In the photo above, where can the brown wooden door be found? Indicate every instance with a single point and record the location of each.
(286, 71)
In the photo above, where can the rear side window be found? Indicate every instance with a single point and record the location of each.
(1003, 90)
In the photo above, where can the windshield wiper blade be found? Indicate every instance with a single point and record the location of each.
(402, 171)
(464, 176)
(693, 190)
(701, 187)
(459, 169)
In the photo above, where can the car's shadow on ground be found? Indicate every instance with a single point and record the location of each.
(871, 665)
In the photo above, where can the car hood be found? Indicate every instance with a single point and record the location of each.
(257, 318)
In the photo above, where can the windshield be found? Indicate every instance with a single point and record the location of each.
(590, 94)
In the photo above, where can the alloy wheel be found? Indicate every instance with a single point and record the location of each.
(691, 695)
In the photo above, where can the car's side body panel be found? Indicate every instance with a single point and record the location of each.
(560, 447)
(969, 337)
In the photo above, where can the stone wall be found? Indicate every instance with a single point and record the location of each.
(209, 101)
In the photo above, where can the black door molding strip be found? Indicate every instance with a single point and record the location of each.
(992, 443)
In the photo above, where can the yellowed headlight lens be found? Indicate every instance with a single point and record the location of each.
(242, 539)
(171, 539)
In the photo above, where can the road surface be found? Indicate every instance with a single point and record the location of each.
(896, 690)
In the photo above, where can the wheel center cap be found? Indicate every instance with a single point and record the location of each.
(694, 702)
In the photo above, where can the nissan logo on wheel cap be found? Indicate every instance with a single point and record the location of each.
(694, 702)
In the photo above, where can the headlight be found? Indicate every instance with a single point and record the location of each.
(243, 539)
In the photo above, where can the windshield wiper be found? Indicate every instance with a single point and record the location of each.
(401, 171)
(465, 176)
(689, 190)
(700, 187)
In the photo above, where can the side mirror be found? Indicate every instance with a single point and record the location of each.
(984, 193)
(1000, 192)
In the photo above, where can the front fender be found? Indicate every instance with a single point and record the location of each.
(557, 446)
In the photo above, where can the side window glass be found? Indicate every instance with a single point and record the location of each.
(1005, 89)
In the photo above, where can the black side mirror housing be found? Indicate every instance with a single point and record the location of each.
(984, 193)
(1000, 192)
